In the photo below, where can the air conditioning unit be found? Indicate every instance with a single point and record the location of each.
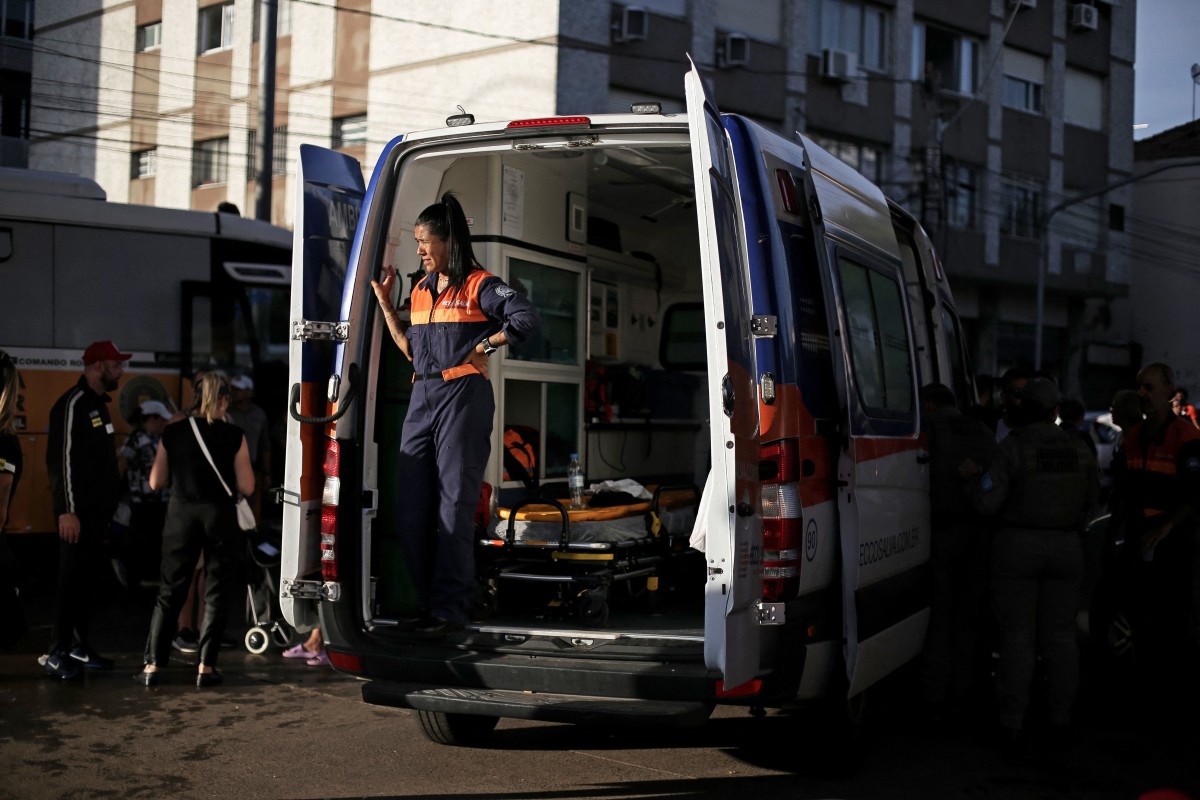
(733, 50)
(1084, 17)
(633, 25)
(838, 65)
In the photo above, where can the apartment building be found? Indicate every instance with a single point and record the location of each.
(1166, 252)
(982, 116)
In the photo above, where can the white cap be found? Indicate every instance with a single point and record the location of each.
(242, 382)
(153, 408)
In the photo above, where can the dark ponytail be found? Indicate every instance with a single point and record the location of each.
(447, 221)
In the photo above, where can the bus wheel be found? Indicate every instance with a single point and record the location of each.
(456, 730)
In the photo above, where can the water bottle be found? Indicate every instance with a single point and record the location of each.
(575, 482)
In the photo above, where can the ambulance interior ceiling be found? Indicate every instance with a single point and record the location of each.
(644, 193)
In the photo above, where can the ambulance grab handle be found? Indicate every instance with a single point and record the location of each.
(343, 404)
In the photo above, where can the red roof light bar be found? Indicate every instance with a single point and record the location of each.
(545, 122)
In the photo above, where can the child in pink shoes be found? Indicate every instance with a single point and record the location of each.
(312, 650)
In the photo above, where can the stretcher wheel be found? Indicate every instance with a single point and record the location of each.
(257, 640)
(457, 730)
(592, 607)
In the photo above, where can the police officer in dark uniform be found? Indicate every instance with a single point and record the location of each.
(81, 458)
(958, 559)
(1041, 483)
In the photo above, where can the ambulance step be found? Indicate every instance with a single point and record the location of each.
(577, 709)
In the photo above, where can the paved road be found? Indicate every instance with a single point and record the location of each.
(280, 729)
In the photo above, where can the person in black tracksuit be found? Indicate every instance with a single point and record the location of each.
(201, 518)
(81, 458)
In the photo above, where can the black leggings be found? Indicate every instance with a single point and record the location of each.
(192, 529)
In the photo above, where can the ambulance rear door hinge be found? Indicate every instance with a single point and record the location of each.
(764, 326)
(311, 330)
(771, 613)
(311, 590)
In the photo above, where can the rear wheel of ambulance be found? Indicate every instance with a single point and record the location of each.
(458, 730)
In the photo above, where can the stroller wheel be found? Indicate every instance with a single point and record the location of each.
(257, 640)
(281, 635)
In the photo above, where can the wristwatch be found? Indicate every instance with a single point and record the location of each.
(488, 347)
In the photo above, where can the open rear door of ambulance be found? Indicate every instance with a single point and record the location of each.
(331, 196)
(883, 474)
(733, 549)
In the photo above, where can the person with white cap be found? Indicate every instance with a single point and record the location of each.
(147, 506)
(81, 459)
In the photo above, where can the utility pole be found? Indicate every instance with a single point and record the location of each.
(1044, 229)
(265, 149)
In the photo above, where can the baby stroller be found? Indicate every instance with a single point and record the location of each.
(263, 614)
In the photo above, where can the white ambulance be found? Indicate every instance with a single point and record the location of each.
(719, 304)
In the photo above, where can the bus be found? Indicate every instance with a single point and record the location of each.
(181, 290)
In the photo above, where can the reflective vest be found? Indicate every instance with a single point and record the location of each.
(1161, 471)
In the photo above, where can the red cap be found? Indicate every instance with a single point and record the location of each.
(103, 351)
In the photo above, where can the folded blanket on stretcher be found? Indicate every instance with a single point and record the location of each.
(675, 522)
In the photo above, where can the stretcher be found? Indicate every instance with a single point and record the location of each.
(578, 555)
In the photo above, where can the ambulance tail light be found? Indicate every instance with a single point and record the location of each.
(783, 522)
(549, 122)
(780, 462)
(330, 497)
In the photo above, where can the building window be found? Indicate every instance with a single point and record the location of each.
(144, 164)
(350, 131)
(762, 20)
(1116, 217)
(278, 152)
(852, 26)
(216, 28)
(962, 182)
(14, 116)
(283, 19)
(1024, 76)
(867, 159)
(17, 19)
(1021, 210)
(944, 59)
(1083, 100)
(210, 162)
(149, 37)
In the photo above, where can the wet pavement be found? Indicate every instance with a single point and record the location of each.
(278, 728)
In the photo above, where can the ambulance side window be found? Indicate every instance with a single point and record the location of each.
(878, 340)
(959, 370)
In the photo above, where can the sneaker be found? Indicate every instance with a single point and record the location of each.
(90, 658)
(62, 666)
(186, 642)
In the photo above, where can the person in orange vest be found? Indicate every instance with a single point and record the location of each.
(459, 315)
(1158, 490)
(1181, 406)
